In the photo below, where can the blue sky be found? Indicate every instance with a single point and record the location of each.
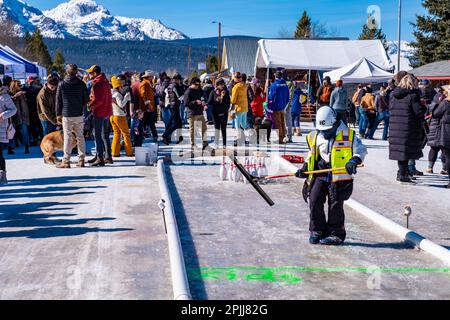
(264, 18)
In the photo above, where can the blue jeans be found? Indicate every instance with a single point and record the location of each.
(296, 120)
(363, 121)
(101, 133)
(183, 114)
(209, 114)
(166, 115)
(382, 116)
(241, 124)
(25, 135)
(241, 120)
(48, 127)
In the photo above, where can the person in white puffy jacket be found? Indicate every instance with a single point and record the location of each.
(119, 119)
(7, 110)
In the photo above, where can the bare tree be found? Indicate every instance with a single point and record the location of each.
(284, 33)
(7, 32)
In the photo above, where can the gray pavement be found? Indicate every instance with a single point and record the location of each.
(82, 233)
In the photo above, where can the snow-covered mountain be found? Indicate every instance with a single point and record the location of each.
(83, 19)
(406, 50)
(406, 53)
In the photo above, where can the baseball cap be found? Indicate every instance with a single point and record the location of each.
(31, 78)
(95, 68)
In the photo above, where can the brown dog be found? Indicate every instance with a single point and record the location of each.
(54, 142)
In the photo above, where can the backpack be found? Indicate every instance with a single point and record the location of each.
(326, 94)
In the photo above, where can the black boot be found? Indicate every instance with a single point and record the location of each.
(27, 150)
(315, 237)
(11, 150)
(332, 241)
(93, 160)
(100, 162)
(406, 179)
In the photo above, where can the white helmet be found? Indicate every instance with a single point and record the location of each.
(325, 118)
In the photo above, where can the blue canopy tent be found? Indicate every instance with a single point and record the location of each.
(30, 68)
(12, 68)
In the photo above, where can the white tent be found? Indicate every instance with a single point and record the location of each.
(12, 68)
(320, 55)
(361, 71)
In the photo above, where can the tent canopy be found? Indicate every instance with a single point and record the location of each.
(361, 71)
(320, 55)
(30, 68)
(12, 68)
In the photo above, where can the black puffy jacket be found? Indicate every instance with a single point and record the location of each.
(442, 112)
(190, 97)
(71, 96)
(434, 135)
(407, 135)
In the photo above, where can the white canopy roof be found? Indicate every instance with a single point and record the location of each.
(12, 68)
(361, 71)
(320, 55)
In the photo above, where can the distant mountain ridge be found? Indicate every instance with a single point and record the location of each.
(83, 19)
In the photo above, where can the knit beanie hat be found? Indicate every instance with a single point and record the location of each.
(116, 83)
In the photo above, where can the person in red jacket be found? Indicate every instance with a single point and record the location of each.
(100, 105)
(258, 100)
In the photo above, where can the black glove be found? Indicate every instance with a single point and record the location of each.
(352, 165)
(301, 173)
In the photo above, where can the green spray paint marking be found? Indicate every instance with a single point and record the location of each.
(285, 274)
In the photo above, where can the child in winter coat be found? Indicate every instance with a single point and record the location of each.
(138, 128)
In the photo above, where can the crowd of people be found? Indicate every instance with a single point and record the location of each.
(90, 106)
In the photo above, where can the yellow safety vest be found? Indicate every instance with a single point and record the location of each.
(341, 153)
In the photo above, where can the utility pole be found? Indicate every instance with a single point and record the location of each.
(189, 63)
(399, 33)
(219, 61)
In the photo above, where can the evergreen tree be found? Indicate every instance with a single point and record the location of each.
(211, 64)
(373, 33)
(59, 63)
(303, 27)
(432, 32)
(38, 50)
(194, 74)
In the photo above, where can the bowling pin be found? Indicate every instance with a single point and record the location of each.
(235, 174)
(246, 167)
(223, 171)
(230, 172)
(265, 171)
(259, 169)
(255, 167)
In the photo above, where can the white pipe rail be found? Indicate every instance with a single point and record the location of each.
(403, 233)
(180, 282)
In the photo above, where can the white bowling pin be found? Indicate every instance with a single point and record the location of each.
(265, 171)
(247, 169)
(255, 167)
(259, 169)
(238, 176)
(230, 172)
(223, 171)
(235, 174)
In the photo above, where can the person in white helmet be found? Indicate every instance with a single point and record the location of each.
(332, 145)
